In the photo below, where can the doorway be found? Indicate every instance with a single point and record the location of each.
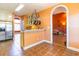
(17, 26)
(59, 26)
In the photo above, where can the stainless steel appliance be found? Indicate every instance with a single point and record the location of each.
(5, 30)
(2, 31)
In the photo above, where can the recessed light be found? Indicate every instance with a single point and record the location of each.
(19, 7)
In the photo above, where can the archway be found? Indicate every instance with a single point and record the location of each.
(59, 9)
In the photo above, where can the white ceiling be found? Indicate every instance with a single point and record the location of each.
(28, 7)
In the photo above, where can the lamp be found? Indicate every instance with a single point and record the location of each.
(63, 23)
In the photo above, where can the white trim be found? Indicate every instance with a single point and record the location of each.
(32, 45)
(51, 25)
(74, 49)
(47, 41)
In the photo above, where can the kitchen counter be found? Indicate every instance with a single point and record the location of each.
(32, 36)
(36, 30)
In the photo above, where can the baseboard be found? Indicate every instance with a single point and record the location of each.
(47, 41)
(74, 49)
(30, 46)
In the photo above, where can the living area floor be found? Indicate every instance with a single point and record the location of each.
(58, 49)
(45, 49)
(12, 48)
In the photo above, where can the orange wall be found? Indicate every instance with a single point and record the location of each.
(45, 16)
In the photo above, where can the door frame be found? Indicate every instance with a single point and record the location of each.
(67, 26)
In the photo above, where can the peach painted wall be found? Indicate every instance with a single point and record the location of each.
(29, 38)
(45, 18)
(73, 22)
(34, 37)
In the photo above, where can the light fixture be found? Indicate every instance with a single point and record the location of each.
(10, 16)
(63, 23)
(19, 7)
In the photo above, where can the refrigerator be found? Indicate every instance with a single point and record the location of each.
(2, 31)
(8, 30)
(5, 30)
